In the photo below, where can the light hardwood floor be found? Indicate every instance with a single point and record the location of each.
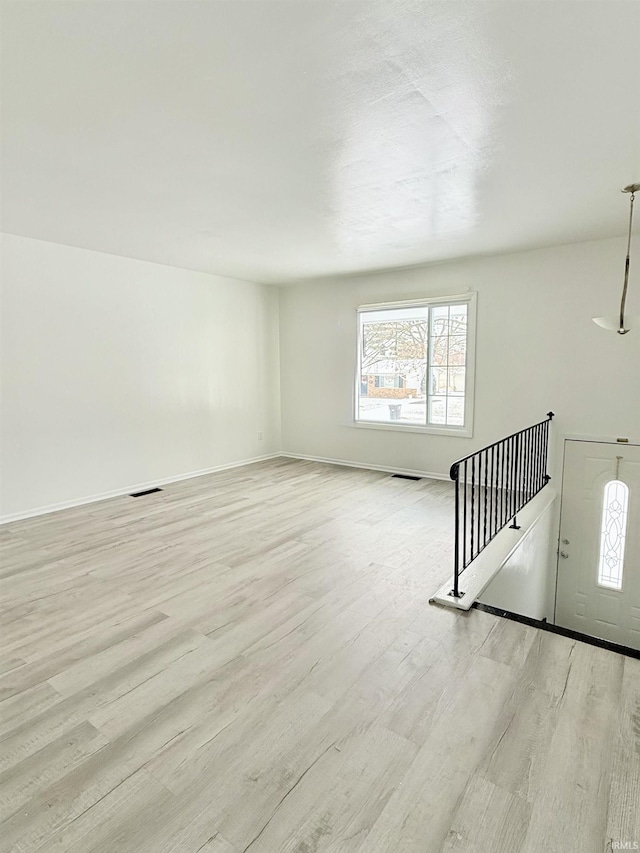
(247, 663)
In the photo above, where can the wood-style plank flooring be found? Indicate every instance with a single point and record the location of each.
(247, 663)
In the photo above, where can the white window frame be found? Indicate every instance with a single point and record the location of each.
(470, 299)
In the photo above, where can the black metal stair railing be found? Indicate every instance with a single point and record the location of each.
(491, 487)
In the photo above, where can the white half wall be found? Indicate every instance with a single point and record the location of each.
(524, 584)
(537, 350)
(117, 373)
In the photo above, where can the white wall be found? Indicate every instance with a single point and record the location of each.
(537, 350)
(520, 586)
(117, 373)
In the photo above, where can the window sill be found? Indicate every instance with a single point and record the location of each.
(452, 432)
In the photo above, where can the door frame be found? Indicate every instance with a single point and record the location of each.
(562, 441)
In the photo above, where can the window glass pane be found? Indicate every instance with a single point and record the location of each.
(438, 380)
(613, 534)
(438, 410)
(455, 411)
(439, 349)
(394, 351)
(440, 320)
(458, 320)
(457, 349)
(455, 381)
(447, 360)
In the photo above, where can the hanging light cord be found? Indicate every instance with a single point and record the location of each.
(622, 330)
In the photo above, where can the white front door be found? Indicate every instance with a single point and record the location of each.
(598, 589)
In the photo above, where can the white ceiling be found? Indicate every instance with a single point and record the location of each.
(274, 140)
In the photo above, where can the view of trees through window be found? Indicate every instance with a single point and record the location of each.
(412, 365)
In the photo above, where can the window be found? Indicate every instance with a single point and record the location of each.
(417, 358)
(612, 534)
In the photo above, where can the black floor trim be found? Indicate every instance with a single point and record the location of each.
(406, 477)
(142, 494)
(556, 629)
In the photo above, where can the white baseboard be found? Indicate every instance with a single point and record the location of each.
(412, 472)
(136, 487)
(152, 484)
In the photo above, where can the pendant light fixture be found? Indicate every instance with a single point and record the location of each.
(620, 323)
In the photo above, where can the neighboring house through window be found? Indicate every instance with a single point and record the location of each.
(415, 364)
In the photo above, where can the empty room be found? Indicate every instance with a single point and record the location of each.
(320, 426)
